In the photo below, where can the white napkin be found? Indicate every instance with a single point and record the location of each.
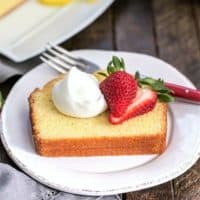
(15, 185)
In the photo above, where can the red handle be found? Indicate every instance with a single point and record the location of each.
(184, 92)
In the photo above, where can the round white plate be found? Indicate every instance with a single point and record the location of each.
(103, 175)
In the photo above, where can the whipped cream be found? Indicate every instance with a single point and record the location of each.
(78, 95)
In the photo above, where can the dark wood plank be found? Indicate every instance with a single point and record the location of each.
(176, 36)
(133, 20)
(178, 43)
(162, 192)
(196, 167)
(5, 88)
(3, 155)
(187, 186)
(134, 26)
(196, 10)
(97, 36)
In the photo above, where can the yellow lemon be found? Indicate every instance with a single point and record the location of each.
(55, 2)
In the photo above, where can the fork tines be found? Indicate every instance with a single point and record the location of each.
(60, 59)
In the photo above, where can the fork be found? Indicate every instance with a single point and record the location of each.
(62, 60)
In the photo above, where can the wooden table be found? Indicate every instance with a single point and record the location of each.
(169, 29)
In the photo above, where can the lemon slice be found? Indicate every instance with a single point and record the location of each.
(55, 2)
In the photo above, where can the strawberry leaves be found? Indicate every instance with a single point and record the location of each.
(164, 94)
(116, 64)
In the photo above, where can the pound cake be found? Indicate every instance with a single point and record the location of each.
(107, 113)
(7, 6)
(56, 134)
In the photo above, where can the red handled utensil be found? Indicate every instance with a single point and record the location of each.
(185, 93)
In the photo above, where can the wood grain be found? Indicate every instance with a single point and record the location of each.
(97, 36)
(196, 10)
(187, 186)
(133, 26)
(196, 167)
(162, 192)
(176, 36)
(5, 88)
(3, 155)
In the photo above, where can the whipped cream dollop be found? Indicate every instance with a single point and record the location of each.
(78, 95)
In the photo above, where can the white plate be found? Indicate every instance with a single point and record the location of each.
(26, 30)
(103, 175)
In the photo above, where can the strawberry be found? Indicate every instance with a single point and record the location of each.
(144, 102)
(129, 97)
(119, 90)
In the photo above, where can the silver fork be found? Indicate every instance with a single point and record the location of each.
(62, 60)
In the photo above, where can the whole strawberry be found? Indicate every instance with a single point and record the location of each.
(119, 88)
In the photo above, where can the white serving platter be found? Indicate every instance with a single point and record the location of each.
(25, 31)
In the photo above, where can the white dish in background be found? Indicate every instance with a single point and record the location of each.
(25, 31)
(111, 174)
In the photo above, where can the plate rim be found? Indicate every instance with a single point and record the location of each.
(173, 174)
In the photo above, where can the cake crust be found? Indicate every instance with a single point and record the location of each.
(121, 146)
(99, 146)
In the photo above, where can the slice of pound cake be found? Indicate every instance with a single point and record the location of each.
(56, 134)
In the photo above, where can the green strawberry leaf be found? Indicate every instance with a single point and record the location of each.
(103, 74)
(137, 75)
(122, 64)
(116, 62)
(110, 69)
(147, 81)
(163, 97)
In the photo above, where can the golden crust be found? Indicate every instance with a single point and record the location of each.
(127, 145)
(154, 144)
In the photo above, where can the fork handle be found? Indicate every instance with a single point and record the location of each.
(185, 93)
